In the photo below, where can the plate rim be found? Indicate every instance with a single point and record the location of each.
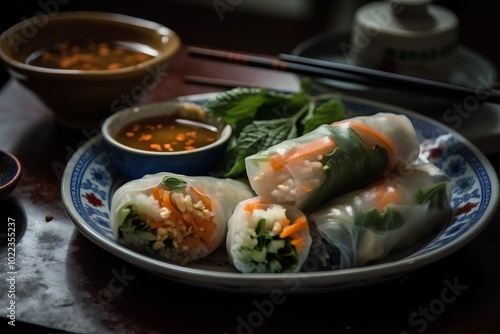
(264, 282)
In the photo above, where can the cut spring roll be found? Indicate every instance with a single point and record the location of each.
(390, 213)
(174, 217)
(264, 237)
(333, 159)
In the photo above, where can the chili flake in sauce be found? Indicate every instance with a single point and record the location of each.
(167, 134)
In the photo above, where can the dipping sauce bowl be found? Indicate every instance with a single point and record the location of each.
(169, 136)
(86, 65)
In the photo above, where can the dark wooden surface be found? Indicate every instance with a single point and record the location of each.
(63, 279)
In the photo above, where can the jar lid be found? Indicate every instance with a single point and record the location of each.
(407, 18)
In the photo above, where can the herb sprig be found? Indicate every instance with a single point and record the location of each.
(261, 118)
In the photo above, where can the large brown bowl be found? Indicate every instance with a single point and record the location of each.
(82, 98)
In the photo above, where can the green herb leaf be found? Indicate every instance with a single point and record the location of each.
(236, 104)
(132, 223)
(305, 84)
(353, 160)
(174, 183)
(256, 116)
(326, 113)
(282, 105)
(263, 237)
(390, 219)
(285, 259)
(254, 137)
(433, 195)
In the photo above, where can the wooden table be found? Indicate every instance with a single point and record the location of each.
(67, 284)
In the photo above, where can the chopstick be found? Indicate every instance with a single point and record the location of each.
(276, 64)
(355, 74)
(419, 84)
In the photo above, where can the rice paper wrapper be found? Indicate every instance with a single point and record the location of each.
(364, 228)
(312, 171)
(253, 240)
(195, 227)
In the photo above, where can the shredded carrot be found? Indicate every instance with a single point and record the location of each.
(297, 241)
(201, 227)
(320, 146)
(292, 230)
(285, 222)
(168, 204)
(185, 229)
(255, 204)
(306, 188)
(204, 198)
(361, 129)
(191, 242)
(298, 225)
(154, 192)
(384, 195)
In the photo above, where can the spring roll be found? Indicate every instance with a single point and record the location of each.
(390, 213)
(332, 160)
(174, 217)
(264, 237)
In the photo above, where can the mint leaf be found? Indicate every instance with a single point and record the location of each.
(254, 137)
(256, 115)
(326, 113)
(236, 104)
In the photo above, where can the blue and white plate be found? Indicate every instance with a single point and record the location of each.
(89, 181)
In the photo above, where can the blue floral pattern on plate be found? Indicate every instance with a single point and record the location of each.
(89, 181)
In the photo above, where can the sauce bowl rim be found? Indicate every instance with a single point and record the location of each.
(164, 54)
(224, 137)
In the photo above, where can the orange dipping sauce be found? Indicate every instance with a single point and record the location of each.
(91, 55)
(167, 134)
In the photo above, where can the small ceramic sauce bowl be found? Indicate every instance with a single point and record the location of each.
(10, 174)
(135, 163)
(61, 57)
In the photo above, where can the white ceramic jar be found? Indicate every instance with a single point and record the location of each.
(412, 37)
